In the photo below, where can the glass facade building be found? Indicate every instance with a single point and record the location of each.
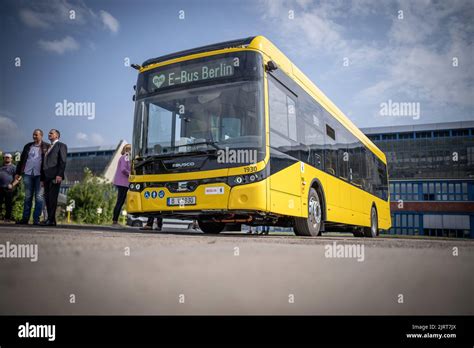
(94, 159)
(431, 177)
(101, 160)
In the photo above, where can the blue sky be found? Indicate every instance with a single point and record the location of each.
(360, 53)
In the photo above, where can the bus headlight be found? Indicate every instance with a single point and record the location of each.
(246, 178)
(136, 187)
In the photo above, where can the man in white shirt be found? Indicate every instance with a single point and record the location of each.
(30, 168)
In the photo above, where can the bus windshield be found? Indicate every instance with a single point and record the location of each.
(177, 115)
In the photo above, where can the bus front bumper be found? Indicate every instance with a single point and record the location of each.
(205, 198)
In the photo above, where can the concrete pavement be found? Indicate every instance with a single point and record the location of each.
(126, 271)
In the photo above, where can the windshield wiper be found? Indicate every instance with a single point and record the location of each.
(152, 158)
(149, 159)
(211, 143)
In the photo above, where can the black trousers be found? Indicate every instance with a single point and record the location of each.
(51, 192)
(121, 197)
(6, 196)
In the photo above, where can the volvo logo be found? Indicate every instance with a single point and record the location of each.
(183, 165)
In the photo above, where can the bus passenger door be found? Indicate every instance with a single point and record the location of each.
(285, 169)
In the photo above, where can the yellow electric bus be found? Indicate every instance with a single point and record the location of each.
(234, 133)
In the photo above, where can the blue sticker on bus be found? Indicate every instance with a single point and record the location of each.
(146, 194)
(153, 194)
(161, 194)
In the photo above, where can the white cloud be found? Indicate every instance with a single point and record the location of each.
(11, 136)
(7, 126)
(62, 16)
(97, 139)
(93, 139)
(34, 19)
(419, 59)
(390, 58)
(109, 21)
(48, 14)
(59, 46)
(82, 136)
(320, 29)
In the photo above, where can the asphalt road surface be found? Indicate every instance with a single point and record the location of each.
(126, 271)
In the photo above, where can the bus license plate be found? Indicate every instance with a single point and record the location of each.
(181, 201)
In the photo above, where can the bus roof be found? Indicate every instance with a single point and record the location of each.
(214, 47)
(271, 52)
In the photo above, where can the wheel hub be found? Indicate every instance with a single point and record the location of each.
(314, 210)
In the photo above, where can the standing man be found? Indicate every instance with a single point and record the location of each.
(29, 166)
(7, 173)
(54, 165)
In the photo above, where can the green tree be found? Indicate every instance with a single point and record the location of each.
(91, 193)
(18, 199)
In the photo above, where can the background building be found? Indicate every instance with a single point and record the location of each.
(101, 160)
(431, 177)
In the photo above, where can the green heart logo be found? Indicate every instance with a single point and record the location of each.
(158, 80)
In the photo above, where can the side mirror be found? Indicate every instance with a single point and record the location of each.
(271, 65)
(133, 97)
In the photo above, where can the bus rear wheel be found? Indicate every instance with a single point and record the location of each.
(211, 227)
(373, 230)
(310, 226)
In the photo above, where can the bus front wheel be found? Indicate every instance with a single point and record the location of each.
(310, 226)
(211, 227)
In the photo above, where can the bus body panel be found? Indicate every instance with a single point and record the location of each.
(249, 197)
(284, 192)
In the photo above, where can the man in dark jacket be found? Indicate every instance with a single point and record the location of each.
(54, 165)
(29, 167)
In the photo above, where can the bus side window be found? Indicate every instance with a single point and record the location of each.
(310, 133)
(283, 130)
(355, 161)
(330, 154)
(291, 106)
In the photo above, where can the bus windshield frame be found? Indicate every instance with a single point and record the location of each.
(216, 106)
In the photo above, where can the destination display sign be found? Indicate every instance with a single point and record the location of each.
(209, 70)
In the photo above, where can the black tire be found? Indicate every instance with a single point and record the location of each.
(373, 230)
(310, 226)
(137, 223)
(211, 227)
